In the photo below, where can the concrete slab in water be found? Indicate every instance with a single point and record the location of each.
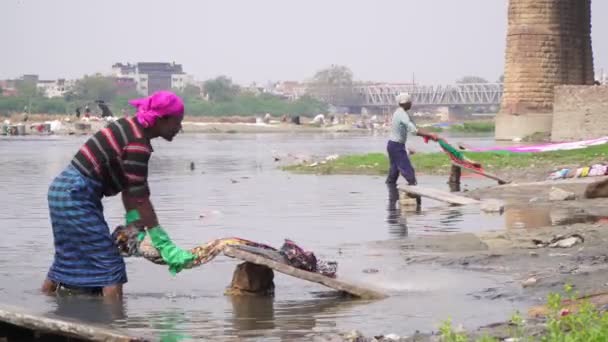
(438, 195)
(15, 321)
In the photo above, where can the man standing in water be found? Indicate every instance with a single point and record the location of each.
(114, 160)
(402, 124)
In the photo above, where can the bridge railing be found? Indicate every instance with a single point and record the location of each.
(439, 95)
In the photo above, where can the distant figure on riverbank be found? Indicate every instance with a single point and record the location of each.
(105, 110)
(114, 160)
(319, 120)
(401, 124)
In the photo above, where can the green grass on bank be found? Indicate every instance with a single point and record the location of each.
(439, 163)
(586, 324)
(474, 127)
(466, 127)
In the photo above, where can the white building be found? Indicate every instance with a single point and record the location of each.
(180, 81)
(54, 88)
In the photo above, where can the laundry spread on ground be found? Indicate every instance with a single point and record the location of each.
(594, 170)
(156, 246)
(544, 147)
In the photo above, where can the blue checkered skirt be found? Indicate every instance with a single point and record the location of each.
(85, 254)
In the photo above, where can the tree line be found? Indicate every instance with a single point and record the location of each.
(219, 96)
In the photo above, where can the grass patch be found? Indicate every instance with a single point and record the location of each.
(538, 137)
(587, 324)
(432, 129)
(473, 127)
(364, 164)
(466, 127)
(439, 163)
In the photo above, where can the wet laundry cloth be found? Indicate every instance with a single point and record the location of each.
(132, 243)
(305, 260)
(457, 156)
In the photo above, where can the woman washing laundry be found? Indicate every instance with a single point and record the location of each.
(114, 160)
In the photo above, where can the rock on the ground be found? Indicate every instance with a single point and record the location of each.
(492, 206)
(557, 194)
(567, 242)
(353, 336)
(529, 282)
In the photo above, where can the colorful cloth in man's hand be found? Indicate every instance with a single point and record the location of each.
(457, 156)
(129, 243)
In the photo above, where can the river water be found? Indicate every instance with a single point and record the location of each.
(236, 189)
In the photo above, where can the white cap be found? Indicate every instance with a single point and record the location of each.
(403, 98)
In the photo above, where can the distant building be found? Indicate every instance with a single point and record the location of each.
(125, 85)
(54, 88)
(291, 90)
(29, 78)
(48, 88)
(153, 76)
(8, 88)
(603, 77)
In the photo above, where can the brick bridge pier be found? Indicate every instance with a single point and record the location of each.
(548, 45)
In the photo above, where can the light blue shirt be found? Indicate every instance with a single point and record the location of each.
(401, 125)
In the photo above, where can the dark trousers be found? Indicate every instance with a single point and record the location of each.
(400, 163)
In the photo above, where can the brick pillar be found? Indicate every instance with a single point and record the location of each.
(548, 44)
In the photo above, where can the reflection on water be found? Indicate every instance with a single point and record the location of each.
(397, 222)
(89, 309)
(237, 190)
(252, 313)
(529, 217)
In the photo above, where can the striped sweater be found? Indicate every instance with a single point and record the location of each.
(118, 156)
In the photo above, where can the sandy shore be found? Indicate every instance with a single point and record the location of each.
(224, 127)
(83, 126)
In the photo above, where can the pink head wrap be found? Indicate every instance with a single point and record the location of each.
(160, 104)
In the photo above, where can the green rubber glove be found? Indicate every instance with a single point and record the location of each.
(132, 216)
(175, 257)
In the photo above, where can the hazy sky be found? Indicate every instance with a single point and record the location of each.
(261, 40)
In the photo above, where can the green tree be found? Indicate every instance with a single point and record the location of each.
(471, 79)
(92, 88)
(335, 75)
(121, 102)
(221, 89)
(190, 91)
(332, 85)
(27, 89)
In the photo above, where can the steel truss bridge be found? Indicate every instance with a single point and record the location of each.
(472, 94)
